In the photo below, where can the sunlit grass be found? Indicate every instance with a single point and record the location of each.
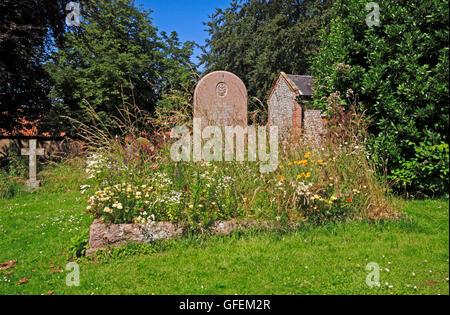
(37, 231)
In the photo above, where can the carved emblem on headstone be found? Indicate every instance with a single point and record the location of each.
(222, 89)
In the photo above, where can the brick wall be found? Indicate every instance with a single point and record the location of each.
(297, 120)
(281, 106)
(314, 127)
(52, 148)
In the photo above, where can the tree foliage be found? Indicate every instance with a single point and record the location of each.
(400, 71)
(27, 29)
(257, 39)
(115, 56)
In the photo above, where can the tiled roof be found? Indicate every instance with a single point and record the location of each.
(304, 83)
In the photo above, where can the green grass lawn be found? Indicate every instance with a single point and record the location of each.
(37, 230)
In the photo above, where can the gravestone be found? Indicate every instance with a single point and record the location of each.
(220, 99)
(32, 152)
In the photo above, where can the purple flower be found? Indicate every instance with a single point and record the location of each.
(124, 160)
(176, 175)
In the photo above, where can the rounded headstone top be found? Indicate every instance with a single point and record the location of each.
(220, 99)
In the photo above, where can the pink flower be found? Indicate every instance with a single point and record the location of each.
(154, 167)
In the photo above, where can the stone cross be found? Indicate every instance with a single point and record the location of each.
(32, 152)
(220, 99)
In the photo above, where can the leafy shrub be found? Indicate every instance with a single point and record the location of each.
(17, 165)
(12, 173)
(400, 72)
(427, 171)
(79, 245)
(9, 186)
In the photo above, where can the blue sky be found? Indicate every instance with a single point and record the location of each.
(183, 16)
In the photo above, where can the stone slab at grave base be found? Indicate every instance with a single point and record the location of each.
(104, 235)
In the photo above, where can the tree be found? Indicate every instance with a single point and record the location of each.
(27, 30)
(180, 77)
(400, 70)
(257, 39)
(114, 56)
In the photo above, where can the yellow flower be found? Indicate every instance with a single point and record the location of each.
(191, 206)
(308, 175)
(282, 179)
(290, 164)
(307, 155)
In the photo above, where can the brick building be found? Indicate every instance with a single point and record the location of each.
(287, 111)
